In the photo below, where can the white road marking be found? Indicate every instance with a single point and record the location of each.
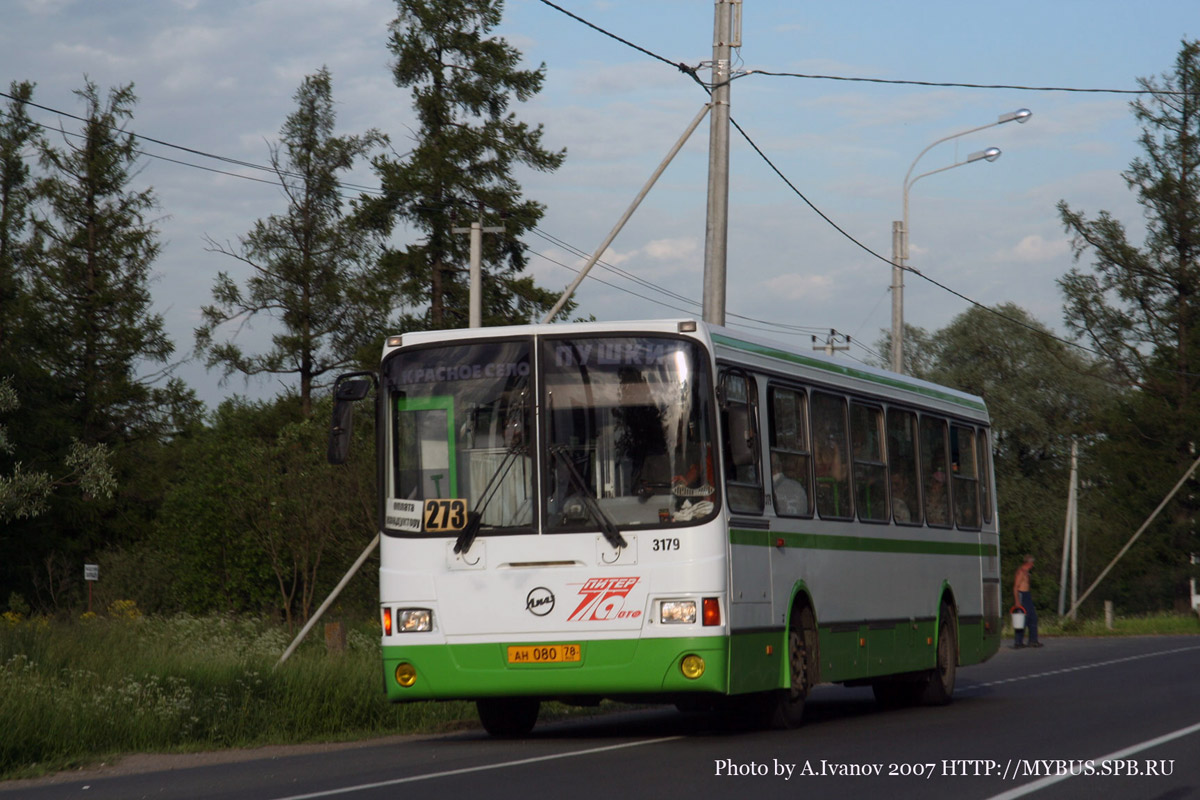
(1079, 668)
(1042, 783)
(480, 768)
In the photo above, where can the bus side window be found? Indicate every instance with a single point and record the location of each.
(739, 424)
(791, 477)
(966, 480)
(933, 471)
(985, 475)
(902, 466)
(870, 473)
(830, 449)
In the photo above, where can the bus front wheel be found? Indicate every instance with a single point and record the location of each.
(508, 717)
(801, 653)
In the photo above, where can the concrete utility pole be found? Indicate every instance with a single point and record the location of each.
(1070, 554)
(475, 314)
(726, 36)
(898, 255)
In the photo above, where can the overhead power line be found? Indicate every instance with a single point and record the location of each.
(826, 217)
(952, 84)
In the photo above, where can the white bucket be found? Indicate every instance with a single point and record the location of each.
(1018, 619)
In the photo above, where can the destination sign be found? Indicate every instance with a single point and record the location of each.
(621, 352)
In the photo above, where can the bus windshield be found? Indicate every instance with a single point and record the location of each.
(461, 437)
(624, 438)
(628, 426)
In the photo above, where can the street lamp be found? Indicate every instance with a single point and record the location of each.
(900, 229)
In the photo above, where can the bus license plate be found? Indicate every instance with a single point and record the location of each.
(543, 654)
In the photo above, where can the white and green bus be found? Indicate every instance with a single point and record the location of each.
(669, 511)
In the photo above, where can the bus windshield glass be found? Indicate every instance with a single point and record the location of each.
(629, 437)
(461, 437)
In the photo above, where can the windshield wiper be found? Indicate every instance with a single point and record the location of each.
(607, 526)
(475, 516)
(517, 447)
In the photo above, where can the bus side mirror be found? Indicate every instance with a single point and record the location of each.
(345, 394)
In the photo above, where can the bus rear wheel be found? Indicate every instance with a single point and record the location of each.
(939, 683)
(508, 717)
(934, 687)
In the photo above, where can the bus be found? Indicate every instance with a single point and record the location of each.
(671, 511)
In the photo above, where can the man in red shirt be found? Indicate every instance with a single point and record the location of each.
(1023, 597)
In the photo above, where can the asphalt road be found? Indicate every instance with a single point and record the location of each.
(1079, 718)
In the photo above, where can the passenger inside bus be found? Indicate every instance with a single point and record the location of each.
(791, 499)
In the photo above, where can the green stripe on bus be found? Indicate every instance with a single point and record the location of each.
(850, 372)
(861, 544)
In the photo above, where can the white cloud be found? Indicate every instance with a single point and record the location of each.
(665, 249)
(1038, 248)
(800, 287)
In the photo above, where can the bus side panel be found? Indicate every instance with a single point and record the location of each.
(979, 638)
(757, 643)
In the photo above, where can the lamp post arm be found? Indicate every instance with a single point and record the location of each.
(913, 165)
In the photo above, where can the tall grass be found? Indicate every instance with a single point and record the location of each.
(1144, 625)
(74, 692)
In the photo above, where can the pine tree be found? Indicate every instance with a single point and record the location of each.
(463, 81)
(18, 135)
(313, 267)
(90, 281)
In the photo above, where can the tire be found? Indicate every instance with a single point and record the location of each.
(787, 705)
(508, 717)
(938, 687)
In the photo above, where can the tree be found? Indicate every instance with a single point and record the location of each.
(288, 524)
(90, 282)
(1041, 395)
(465, 149)
(18, 133)
(88, 339)
(1139, 306)
(312, 268)
(919, 353)
(23, 493)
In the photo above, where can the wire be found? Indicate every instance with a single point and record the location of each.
(684, 68)
(826, 217)
(225, 159)
(952, 85)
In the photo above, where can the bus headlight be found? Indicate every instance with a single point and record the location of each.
(413, 620)
(692, 666)
(677, 612)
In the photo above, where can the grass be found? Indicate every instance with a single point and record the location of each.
(78, 692)
(1146, 625)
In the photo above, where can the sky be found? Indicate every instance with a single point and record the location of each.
(219, 76)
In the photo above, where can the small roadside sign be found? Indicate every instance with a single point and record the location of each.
(91, 572)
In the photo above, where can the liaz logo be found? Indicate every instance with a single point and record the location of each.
(604, 599)
(539, 601)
